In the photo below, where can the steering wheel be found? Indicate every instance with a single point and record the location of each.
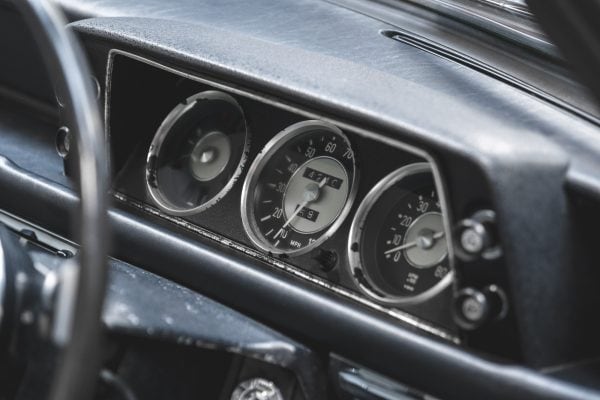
(76, 311)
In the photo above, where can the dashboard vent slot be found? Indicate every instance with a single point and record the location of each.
(447, 53)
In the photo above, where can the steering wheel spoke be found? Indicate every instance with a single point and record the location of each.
(45, 308)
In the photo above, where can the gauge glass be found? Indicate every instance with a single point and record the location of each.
(197, 153)
(398, 249)
(299, 189)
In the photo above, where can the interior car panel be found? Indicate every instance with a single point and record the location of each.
(313, 199)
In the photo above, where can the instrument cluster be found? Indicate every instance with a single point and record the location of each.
(358, 215)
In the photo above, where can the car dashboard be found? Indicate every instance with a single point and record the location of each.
(343, 180)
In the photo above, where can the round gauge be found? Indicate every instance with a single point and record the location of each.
(197, 153)
(299, 189)
(398, 250)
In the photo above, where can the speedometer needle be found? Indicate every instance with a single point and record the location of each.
(311, 194)
(435, 236)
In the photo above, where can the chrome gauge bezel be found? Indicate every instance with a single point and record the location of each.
(163, 132)
(254, 173)
(354, 254)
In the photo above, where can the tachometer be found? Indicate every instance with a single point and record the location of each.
(299, 189)
(398, 250)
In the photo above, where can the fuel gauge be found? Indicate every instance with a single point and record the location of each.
(398, 249)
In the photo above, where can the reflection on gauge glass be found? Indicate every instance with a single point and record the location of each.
(197, 153)
(398, 250)
(299, 189)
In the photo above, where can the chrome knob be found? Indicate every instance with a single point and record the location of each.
(476, 237)
(473, 308)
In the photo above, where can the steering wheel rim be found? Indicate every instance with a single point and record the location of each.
(79, 362)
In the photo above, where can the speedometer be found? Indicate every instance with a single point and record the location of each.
(398, 250)
(299, 189)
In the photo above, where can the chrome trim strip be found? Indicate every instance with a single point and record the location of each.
(56, 241)
(439, 183)
(291, 269)
(517, 7)
(493, 16)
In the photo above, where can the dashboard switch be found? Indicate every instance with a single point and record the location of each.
(476, 237)
(473, 307)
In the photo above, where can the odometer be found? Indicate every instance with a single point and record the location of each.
(299, 188)
(398, 250)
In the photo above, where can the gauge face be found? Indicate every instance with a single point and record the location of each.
(197, 153)
(398, 250)
(299, 189)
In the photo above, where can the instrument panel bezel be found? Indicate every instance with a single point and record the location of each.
(284, 263)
